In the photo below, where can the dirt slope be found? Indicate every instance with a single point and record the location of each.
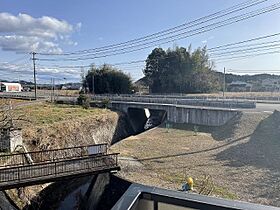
(241, 158)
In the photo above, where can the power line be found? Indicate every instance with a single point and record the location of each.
(173, 38)
(222, 56)
(83, 66)
(247, 56)
(254, 70)
(246, 50)
(242, 42)
(178, 28)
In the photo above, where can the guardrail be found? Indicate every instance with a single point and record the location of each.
(44, 172)
(181, 101)
(189, 96)
(20, 96)
(18, 159)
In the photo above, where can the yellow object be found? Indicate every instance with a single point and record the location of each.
(190, 182)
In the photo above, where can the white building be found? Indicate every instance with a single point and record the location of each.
(10, 87)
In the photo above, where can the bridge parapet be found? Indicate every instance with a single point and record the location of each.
(181, 101)
(183, 114)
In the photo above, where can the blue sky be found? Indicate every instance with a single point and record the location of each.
(78, 25)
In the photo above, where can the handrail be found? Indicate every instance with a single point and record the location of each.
(12, 176)
(52, 155)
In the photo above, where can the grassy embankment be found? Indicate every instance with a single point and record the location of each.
(43, 114)
(48, 126)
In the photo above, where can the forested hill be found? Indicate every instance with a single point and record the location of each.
(256, 78)
(231, 77)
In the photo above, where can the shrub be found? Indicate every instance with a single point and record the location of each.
(105, 103)
(84, 101)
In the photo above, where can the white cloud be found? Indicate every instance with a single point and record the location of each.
(26, 33)
(25, 72)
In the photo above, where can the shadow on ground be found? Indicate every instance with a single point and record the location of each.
(219, 133)
(262, 149)
(195, 152)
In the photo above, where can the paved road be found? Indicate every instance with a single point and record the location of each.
(264, 107)
(268, 106)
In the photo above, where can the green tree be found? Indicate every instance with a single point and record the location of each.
(107, 79)
(180, 70)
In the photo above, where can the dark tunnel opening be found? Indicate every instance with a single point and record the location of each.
(145, 119)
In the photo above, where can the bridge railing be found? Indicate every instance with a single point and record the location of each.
(182, 101)
(58, 169)
(24, 158)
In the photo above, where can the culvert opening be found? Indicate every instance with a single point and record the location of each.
(145, 119)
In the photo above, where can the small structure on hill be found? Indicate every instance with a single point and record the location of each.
(9, 139)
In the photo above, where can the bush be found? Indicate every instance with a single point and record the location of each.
(84, 101)
(105, 103)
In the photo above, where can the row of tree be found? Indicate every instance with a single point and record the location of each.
(106, 79)
(167, 71)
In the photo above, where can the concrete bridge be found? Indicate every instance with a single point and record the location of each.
(178, 113)
(205, 102)
(40, 167)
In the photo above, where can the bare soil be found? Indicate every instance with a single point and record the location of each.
(239, 160)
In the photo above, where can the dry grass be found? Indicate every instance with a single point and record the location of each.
(43, 114)
(236, 161)
(164, 155)
(56, 126)
(4, 102)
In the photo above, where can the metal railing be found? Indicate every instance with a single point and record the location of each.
(181, 101)
(18, 159)
(43, 172)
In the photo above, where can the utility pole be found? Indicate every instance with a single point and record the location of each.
(53, 88)
(224, 85)
(93, 90)
(34, 69)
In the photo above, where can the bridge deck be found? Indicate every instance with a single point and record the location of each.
(19, 175)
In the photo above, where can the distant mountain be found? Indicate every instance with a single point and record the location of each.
(256, 78)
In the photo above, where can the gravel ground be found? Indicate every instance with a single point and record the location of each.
(241, 159)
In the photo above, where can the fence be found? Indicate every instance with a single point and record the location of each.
(181, 101)
(19, 159)
(43, 172)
